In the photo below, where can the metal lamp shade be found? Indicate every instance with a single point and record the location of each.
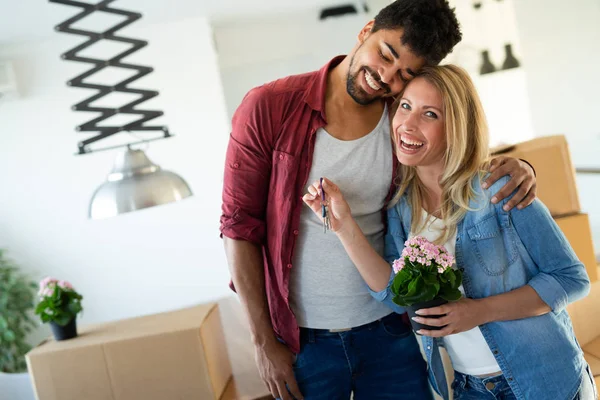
(136, 183)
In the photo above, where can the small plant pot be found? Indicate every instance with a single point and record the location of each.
(68, 331)
(438, 301)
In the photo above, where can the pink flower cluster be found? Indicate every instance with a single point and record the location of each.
(48, 285)
(420, 250)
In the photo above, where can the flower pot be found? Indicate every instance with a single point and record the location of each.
(438, 301)
(68, 331)
(16, 386)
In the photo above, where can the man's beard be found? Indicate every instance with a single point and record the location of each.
(354, 89)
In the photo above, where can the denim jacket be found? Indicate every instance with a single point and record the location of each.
(498, 252)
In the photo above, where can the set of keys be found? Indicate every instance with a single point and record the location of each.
(324, 210)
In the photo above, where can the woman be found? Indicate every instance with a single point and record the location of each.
(509, 337)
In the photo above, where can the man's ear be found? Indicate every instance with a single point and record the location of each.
(365, 31)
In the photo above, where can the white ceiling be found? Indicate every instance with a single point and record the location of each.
(22, 20)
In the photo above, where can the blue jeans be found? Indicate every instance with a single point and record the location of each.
(380, 360)
(467, 387)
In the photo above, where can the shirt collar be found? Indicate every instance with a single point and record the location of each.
(315, 95)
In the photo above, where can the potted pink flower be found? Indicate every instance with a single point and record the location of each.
(59, 305)
(424, 278)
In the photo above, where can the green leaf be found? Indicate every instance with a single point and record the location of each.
(63, 318)
(459, 276)
(420, 297)
(449, 273)
(414, 286)
(399, 280)
(9, 336)
(430, 279)
(399, 301)
(17, 301)
(450, 294)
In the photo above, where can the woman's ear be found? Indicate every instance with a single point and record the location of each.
(365, 31)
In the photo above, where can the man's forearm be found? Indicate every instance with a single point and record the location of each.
(247, 273)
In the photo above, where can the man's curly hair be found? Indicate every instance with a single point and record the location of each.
(430, 27)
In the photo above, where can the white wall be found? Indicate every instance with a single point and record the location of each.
(253, 51)
(561, 58)
(503, 93)
(143, 262)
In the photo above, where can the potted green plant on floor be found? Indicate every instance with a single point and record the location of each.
(17, 295)
(59, 305)
(424, 278)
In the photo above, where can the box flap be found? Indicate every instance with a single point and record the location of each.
(93, 381)
(537, 143)
(594, 363)
(593, 347)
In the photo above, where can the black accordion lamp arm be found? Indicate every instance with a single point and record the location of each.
(135, 182)
(103, 90)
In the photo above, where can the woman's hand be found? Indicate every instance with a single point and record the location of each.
(337, 207)
(461, 316)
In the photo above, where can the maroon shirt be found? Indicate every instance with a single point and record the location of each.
(268, 160)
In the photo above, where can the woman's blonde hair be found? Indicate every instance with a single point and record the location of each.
(466, 155)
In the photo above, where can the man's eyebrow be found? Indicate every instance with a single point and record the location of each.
(394, 53)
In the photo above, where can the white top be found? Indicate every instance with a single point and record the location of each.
(326, 289)
(469, 352)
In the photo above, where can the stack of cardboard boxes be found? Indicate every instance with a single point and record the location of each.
(183, 354)
(556, 188)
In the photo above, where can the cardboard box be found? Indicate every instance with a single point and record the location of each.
(579, 233)
(174, 355)
(555, 173)
(592, 356)
(246, 383)
(594, 363)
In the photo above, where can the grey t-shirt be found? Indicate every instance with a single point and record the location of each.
(326, 289)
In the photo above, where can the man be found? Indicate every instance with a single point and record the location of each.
(318, 333)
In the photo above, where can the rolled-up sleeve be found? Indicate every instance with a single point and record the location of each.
(391, 253)
(248, 169)
(562, 278)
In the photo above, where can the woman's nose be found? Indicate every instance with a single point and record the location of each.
(410, 122)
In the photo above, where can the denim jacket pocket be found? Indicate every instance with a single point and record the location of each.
(493, 245)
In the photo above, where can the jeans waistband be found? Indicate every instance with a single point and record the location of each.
(480, 380)
(356, 328)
